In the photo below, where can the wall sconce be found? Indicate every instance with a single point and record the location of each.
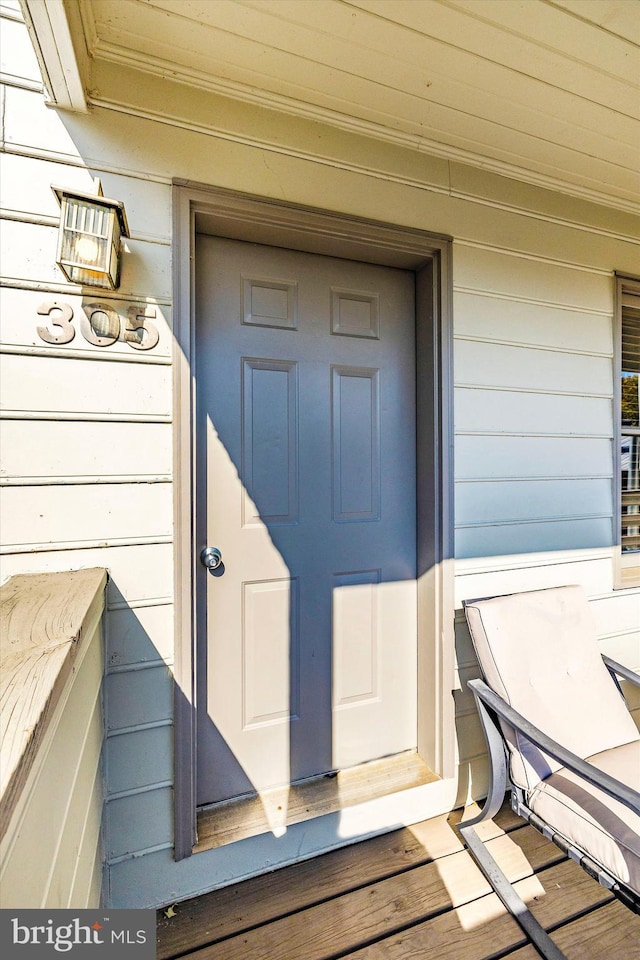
(89, 237)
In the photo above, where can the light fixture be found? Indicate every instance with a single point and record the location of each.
(89, 237)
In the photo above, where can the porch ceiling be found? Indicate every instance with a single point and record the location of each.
(546, 91)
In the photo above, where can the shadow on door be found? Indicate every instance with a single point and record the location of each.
(306, 482)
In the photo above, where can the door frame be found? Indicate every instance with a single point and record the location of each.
(242, 216)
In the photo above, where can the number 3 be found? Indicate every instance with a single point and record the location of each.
(63, 315)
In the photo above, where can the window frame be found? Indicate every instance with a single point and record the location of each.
(626, 566)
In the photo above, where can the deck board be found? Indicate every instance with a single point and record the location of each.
(240, 907)
(612, 933)
(346, 922)
(475, 931)
(481, 929)
(408, 894)
(265, 898)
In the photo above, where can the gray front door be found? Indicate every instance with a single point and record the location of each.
(305, 479)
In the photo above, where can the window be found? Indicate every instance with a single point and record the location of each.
(628, 461)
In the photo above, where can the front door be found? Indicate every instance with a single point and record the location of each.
(306, 483)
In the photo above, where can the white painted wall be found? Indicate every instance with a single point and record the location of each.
(88, 429)
(51, 852)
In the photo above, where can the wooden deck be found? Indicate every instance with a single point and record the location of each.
(414, 894)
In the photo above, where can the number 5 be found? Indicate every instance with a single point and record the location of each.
(138, 332)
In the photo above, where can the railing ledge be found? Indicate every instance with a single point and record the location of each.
(44, 621)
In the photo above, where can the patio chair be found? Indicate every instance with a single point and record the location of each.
(561, 739)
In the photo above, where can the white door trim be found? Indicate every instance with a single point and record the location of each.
(243, 217)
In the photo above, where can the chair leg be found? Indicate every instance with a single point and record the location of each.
(498, 784)
(512, 901)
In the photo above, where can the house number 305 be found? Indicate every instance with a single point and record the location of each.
(100, 325)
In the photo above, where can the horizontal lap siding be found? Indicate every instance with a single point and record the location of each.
(130, 628)
(141, 758)
(140, 821)
(529, 500)
(34, 517)
(82, 389)
(87, 461)
(18, 58)
(25, 189)
(532, 306)
(81, 451)
(517, 457)
(533, 415)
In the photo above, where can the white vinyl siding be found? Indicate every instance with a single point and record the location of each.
(86, 436)
(533, 409)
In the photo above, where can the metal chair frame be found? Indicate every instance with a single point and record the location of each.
(491, 707)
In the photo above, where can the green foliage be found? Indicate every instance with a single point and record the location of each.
(630, 399)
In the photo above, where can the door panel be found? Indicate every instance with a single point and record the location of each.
(356, 444)
(305, 478)
(270, 440)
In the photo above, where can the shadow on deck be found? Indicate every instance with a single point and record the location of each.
(408, 895)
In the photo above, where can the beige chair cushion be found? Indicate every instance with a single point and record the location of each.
(591, 819)
(538, 650)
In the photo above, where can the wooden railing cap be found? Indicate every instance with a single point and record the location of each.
(44, 618)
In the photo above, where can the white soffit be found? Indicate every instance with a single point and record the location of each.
(547, 91)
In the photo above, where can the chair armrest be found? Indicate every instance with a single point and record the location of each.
(626, 672)
(614, 788)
